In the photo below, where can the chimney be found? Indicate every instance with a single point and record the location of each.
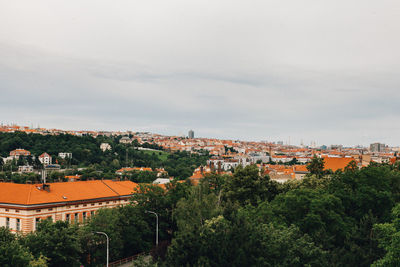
(46, 187)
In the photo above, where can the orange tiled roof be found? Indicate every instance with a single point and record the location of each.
(336, 163)
(29, 194)
(300, 168)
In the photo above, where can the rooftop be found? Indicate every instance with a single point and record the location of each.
(33, 194)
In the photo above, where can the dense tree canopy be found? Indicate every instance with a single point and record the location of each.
(346, 218)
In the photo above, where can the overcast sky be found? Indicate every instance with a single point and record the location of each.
(311, 70)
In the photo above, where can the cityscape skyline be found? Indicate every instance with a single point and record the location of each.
(279, 141)
(199, 133)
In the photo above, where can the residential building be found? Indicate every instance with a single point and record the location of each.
(105, 146)
(25, 168)
(22, 206)
(45, 159)
(161, 181)
(64, 155)
(19, 152)
(125, 140)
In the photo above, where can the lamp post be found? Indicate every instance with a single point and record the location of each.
(152, 212)
(102, 233)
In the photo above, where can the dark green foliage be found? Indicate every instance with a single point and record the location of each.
(333, 215)
(388, 235)
(239, 242)
(348, 218)
(316, 213)
(163, 202)
(316, 166)
(374, 189)
(12, 253)
(247, 186)
(141, 176)
(58, 241)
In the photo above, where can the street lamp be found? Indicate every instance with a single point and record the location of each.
(152, 212)
(102, 233)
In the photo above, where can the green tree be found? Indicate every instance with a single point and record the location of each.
(162, 201)
(56, 241)
(12, 253)
(316, 213)
(240, 242)
(199, 206)
(389, 240)
(247, 186)
(316, 166)
(106, 220)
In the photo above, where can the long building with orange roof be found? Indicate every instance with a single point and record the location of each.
(22, 206)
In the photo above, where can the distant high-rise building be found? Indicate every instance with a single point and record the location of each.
(191, 134)
(376, 147)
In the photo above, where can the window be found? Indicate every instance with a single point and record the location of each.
(67, 217)
(37, 210)
(16, 211)
(6, 209)
(37, 220)
(50, 209)
(18, 225)
(91, 213)
(92, 204)
(84, 216)
(107, 202)
(76, 206)
(76, 217)
(84, 205)
(100, 203)
(50, 218)
(7, 222)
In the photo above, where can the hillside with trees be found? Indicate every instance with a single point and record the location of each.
(88, 159)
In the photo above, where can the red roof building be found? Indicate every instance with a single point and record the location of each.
(23, 205)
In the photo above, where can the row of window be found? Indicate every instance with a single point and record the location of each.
(68, 217)
(92, 204)
(76, 206)
(84, 214)
(37, 220)
(7, 210)
(17, 224)
(50, 209)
